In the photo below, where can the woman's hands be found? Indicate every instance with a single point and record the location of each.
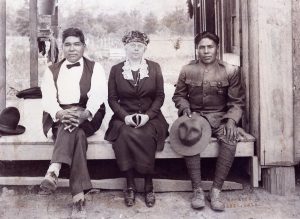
(136, 120)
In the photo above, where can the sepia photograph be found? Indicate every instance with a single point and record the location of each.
(150, 109)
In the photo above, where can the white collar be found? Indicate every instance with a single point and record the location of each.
(66, 62)
(127, 73)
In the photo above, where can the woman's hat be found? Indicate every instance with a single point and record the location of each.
(190, 136)
(135, 36)
(9, 119)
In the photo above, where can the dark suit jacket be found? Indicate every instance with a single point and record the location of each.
(125, 99)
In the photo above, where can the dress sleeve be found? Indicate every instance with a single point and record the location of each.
(159, 95)
(113, 97)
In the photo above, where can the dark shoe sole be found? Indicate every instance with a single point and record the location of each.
(198, 207)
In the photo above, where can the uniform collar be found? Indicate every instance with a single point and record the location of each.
(210, 66)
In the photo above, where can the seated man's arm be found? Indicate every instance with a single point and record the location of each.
(180, 95)
(49, 95)
(98, 92)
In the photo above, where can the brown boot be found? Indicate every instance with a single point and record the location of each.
(215, 200)
(198, 199)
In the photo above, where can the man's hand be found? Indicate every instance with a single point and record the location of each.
(73, 117)
(187, 112)
(230, 130)
(144, 119)
(129, 120)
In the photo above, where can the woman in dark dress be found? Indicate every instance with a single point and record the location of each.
(137, 129)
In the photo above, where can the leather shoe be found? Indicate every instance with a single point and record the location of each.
(198, 199)
(150, 199)
(49, 183)
(129, 197)
(215, 200)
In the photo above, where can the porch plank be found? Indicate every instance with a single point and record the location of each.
(160, 185)
(102, 150)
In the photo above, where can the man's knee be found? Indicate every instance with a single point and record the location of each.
(80, 134)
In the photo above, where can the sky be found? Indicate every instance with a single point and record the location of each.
(158, 7)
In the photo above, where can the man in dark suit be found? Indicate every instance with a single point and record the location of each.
(74, 91)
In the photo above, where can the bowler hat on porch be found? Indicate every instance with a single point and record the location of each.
(30, 93)
(190, 136)
(9, 122)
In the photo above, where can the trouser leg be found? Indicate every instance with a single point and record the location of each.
(194, 169)
(64, 145)
(79, 175)
(224, 163)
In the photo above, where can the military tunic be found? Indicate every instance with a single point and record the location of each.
(214, 91)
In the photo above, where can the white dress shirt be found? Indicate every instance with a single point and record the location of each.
(68, 88)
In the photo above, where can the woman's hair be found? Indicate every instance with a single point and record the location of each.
(73, 32)
(135, 36)
(207, 34)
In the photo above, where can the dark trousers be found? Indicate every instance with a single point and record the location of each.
(70, 148)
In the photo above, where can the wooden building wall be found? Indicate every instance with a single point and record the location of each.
(296, 76)
(271, 71)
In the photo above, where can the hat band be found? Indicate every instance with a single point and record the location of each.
(7, 127)
(138, 40)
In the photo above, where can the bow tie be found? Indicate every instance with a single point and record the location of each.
(73, 65)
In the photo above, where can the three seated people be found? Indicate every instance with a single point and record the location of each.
(209, 97)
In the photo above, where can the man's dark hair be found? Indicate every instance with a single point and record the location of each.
(73, 32)
(207, 34)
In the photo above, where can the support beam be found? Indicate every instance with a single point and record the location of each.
(253, 71)
(33, 43)
(2, 54)
(279, 180)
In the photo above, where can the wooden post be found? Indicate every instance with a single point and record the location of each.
(253, 71)
(2, 54)
(279, 180)
(244, 38)
(33, 43)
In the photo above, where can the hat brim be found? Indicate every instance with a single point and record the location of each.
(7, 131)
(199, 146)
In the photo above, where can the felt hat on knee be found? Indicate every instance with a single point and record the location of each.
(9, 120)
(190, 136)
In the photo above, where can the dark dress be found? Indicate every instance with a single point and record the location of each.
(136, 147)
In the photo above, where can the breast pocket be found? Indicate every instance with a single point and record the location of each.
(219, 87)
(193, 86)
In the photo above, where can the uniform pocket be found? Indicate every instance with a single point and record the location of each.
(220, 86)
(192, 83)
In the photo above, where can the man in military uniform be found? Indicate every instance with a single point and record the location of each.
(212, 89)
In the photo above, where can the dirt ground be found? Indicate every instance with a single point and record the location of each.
(27, 202)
